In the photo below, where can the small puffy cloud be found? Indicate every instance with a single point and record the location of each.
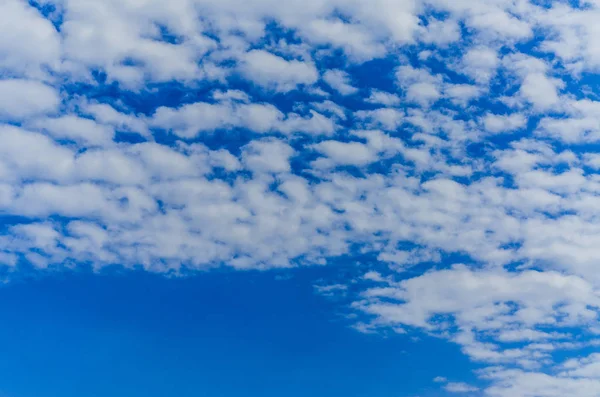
(106, 114)
(541, 91)
(480, 63)
(357, 41)
(20, 99)
(331, 290)
(459, 387)
(77, 129)
(441, 32)
(331, 108)
(537, 87)
(496, 124)
(388, 119)
(339, 81)
(497, 23)
(383, 98)
(356, 153)
(423, 93)
(28, 41)
(462, 93)
(344, 153)
(455, 387)
(572, 32)
(420, 85)
(191, 119)
(273, 72)
(269, 155)
(25, 154)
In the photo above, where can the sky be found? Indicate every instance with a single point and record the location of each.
(393, 198)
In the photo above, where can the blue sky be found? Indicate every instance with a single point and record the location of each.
(138, 335)
(393, 198)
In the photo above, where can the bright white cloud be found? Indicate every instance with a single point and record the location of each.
(459, 387)
(28, 42)
(267, 156)
(273, 72)
(339, 81)
(503, 123)
(73, 128)
(480, 63)
(20, 99)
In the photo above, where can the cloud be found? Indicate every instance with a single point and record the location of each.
(357, 41)
(537, 88)
(496, 124)
(339, 81)
(480, 63)
(273, 72)
(420, 85)
(459, 387)
(340, 153)
(74, 128)
(190, 120)
(29, 43)
(267, 156)
(20, 99)
(441, 32)
(383, 98)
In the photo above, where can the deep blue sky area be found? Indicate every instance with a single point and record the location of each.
(216, 334)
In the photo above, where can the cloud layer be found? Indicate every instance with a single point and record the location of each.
(184, 135)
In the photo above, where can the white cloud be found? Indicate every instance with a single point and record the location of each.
(192, 119)
(359, 154)
(537, 88)
(480, 63)
(28, 41)
(541, 91)
(459, 387)
(342, 153)
(441, 32)
(462, 93)
(30, 155)
(331, 108)
(385, 118)
(355, 39)
(573, 36)
(496, 124)
(441, 303)
(106, 114)
(20, 99)
(80, 130)
(502, 24)
(339, 81)
(331, 290)
(509, 382)
(423, 93)
(267, 156)
(383, 98)
(273, 72)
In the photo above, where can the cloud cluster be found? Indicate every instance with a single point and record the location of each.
(189, 134)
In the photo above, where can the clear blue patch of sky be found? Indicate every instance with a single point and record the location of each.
(216, 334)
